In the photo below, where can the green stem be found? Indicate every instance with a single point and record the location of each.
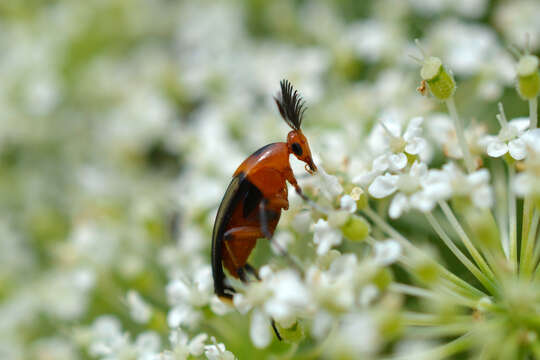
(467, 289)
(503, 189)
(469, 163)
(513, 217)
(423, 319)
(528, 203)
(466, 241)
(533, 113)
(412, 291)
(456, 346)
(528, 261)
(459, 254)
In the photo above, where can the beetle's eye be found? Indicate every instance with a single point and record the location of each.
(297, 149)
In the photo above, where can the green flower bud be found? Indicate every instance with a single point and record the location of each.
(356, 228)
(293, 334)
(528, 79)
(383, 278)
(440, 81)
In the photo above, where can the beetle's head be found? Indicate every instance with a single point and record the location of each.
(291, 107)
(298, 145)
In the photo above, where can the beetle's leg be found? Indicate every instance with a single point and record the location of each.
(240, 233)
(241, 272)
(252, 271)
(273, 322)
(292, 180)
(268, 235)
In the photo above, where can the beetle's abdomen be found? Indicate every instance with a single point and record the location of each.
(246, 214)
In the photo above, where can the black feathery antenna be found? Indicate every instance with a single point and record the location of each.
(290, 104)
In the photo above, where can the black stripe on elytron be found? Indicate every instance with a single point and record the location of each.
(252, 200)
(230, 200)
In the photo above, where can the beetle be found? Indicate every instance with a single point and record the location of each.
(256, 195)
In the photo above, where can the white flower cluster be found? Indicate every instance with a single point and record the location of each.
(339, 284)
(401, 170)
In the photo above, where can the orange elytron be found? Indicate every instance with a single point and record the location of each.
(252, 204)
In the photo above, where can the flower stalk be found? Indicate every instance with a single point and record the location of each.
(469, 162)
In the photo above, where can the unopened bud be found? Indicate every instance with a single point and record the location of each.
(356, 228)
(528, 79)
(293, 334)
(440, 81)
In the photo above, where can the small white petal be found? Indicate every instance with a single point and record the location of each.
(325, 236)
(517, 149)
(196, 345)
(418, 169)
(416, 145)
(387, 252)
(139, 309)
(497, 148)
(330, 186)
(383, 185)
(483, 197)
(366, 178)
(381, 163)
(520, 124)
(532, 140)
(392, 125)
(413, 128)
(423, 201)
(368, 294)
(398, 205)
(347, 203)
(397, 161)
(259, 330)
(479, 177)
(523, 184)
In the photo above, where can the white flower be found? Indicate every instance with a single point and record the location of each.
(325, 236)
(328, 184)
(290, 297)
(442, 130)
(337, 287)
(508, 140)
(138, 308)
(383, 185)
(196, 292)
(147, 345)
(182, 347)
(386, 137)
(527, 182)
(218, 352)
(259, 330)
(182, 314)
(107, 337)
(358, 334)
(387, 252)
(420, 188)
(475, 185)
(347, 203)
(392, 144)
